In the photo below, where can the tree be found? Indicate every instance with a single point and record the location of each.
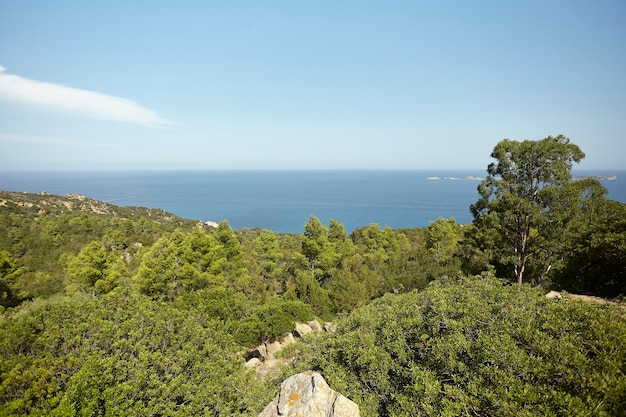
(11, 294)
(595, 260)
(232, 263)
(529, 199)
(268, 254)
(175, 265)
(314, 245)
(94, 270)
(442, 240)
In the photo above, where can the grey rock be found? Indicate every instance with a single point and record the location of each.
(315, 326)
(287, 340)
(302, 329)
(253, 363)
(329, 327)
(308, 394)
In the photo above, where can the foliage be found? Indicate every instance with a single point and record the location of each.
(178, 264)
(306, 288)
(442, 241)
(157, 310)
(478, 347)
(188, 261)
(400, 263)
(42, 233)
(120, 354)
(94, 270)
(11, 293)
(529, 200)
(272, 320)
(595, 257)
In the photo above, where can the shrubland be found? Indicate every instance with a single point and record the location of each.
(108, 310)
(478, 346)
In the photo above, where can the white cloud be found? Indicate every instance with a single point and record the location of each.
(76, 102)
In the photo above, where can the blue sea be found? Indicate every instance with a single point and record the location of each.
(282, 200)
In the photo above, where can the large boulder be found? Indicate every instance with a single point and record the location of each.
(315, 326)
(302, 329)
(308, 394)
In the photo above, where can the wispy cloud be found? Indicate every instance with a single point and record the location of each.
(76, 102)
(48, 140)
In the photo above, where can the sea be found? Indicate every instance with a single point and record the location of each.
(283, 200)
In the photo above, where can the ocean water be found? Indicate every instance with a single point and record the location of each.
(282, 200)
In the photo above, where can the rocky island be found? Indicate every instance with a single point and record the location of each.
(470, 178)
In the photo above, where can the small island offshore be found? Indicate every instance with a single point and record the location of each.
(474, 178)
(596, 177)
(470, 178)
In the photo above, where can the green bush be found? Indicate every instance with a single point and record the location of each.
(271, 321)
(118, 355)
(478, 347)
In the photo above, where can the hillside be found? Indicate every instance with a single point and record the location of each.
(111, 310)
(28, 204)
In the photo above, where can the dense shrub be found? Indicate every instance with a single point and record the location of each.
(271, 320)
(120, 355)
(479, 348)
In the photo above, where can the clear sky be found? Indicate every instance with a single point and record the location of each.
(318, 84)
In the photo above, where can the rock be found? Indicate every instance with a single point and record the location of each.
(271, 348)
(554, 294)
(253, 363)
(287, 340)
(258, 352)
(315, 326)
(302, 329)
(308, 394)
(76, 197)
(329, 327)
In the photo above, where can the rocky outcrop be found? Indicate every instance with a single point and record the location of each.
(262, 358)
(50, 204)
(265, 352)
(308, 394)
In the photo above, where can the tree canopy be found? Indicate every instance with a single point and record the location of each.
(529, 200)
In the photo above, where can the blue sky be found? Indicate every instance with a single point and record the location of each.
(327, 84)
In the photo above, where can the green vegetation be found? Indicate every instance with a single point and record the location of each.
(120, 354)
(478, 347)
(109, 310)
(529, 200)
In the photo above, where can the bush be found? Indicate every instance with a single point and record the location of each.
(478, 347)
(118, 355)
(271, 321)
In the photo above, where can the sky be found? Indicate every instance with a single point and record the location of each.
(307, 85)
